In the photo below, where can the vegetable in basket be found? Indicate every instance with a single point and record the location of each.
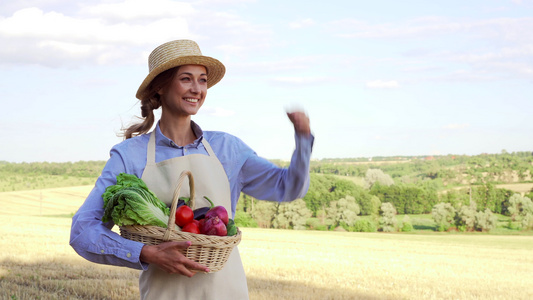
(220, 212)
(211, 220)
(192, 227)
(199, 213)
(231, 228)
(130, 202)
(184, 215)
(214, 226)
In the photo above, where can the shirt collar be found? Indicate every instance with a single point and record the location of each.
(162, 140)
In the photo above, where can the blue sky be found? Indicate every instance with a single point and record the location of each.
(377, 78)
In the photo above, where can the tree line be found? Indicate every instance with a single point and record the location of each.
(360, 194)
(89, 169)
(333, 202)
(447, 169)
(464, 186)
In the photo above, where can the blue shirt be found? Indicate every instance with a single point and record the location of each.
(246, 171)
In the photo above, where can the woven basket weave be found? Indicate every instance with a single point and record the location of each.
(209, 250)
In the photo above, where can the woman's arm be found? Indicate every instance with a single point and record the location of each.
(264, 180)
(94, 240)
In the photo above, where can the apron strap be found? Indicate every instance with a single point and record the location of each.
(208, 148)
(150, 152)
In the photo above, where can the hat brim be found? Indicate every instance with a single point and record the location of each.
(215, 71)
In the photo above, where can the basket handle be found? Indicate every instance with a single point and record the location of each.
(174, 205)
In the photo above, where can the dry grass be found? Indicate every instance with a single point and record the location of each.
(335, 265)
(53, 201)
(36, 262)
(521, 188)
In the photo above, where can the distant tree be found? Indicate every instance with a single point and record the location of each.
(521, 209)
(324, 219)
(264, 213)
(407, 226)
(515, 206)
(315, 224)
(530, 194)
(367, 203)
(407, 198)
(465, 218)
(388, 219)
(443, 214)
(485, 221)
(327, 188)
(243, 219)
(376, 205)
(455, 197)
(364, 225)
(374, 176)
(291, 215)
(319, 194)
(344, 212)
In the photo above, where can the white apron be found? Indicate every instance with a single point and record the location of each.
(210, 180)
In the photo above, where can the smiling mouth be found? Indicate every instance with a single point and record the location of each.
(191, 100)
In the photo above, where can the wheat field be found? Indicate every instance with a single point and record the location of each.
(36, 261)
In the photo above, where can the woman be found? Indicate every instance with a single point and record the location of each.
(221, 164)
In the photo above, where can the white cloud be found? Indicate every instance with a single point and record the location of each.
(380, 84)
(506, 53)
(35, 24)
(230, 32)
(296, 63)
(456, 126)
(121, 31)
(527, 3)
(432, 27)
(298, 80)
(503, 48)
(135, 10)
(302, 23)
(32, 36)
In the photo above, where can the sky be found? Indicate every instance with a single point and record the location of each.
(377, 78)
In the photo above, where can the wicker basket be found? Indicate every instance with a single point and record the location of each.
(209, 250)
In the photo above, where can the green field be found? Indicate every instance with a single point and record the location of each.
(36, 261)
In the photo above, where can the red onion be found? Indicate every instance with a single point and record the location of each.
(214, 226)
(218, 211)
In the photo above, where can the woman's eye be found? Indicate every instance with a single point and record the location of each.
(204, 80)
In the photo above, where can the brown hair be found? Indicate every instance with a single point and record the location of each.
(153, 101)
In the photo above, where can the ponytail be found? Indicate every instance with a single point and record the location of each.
(148, 105)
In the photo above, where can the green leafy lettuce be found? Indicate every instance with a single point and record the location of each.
(130, 202)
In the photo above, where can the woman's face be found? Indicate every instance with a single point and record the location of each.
(186, 92)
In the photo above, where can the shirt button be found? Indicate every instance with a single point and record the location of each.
(185, 150)
(102, 251)
(128, 255)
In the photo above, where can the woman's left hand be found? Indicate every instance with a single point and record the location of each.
(301, 123)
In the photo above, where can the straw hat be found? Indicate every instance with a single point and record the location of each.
(179, 53)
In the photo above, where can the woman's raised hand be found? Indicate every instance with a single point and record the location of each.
(301, 122)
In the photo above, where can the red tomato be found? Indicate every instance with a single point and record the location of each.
(201, 225)
(192, 228)
(184, 215)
